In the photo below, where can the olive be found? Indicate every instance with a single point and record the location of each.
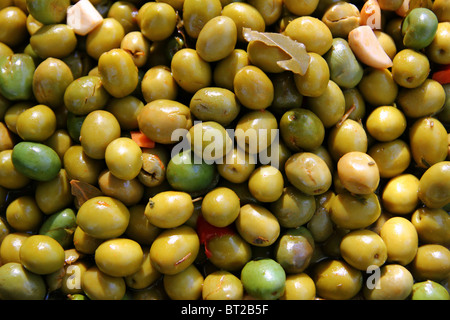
(130, 192)
(185, 285)
(93, 141)
(301, 129)
(222, 285)
(60, 226)
(169, 209)
(103, 217)
(197, 13)
(336, 280)
(106, 36)
(54, 195)
(125, 12)
(11, 178)
(432, 262)
(123, 158)
(126, 111)
(10, 246)
(315, 80)
(309, 173)
(401, 240)
(345, 70)
(271, 11)
(13, 26)
(174, 249)
(266, 183)
(387, 43)
(119, 257)
(41, 254)
(16, 76)
(266, 57)
(386, 123)
(158, 83)
(432, 225)
(154, 163)
(23, 214)
(378, 80)
(245, 16)
(355, 211)
(293, 208)
(429, 290)
(341, 18)
(257, 225)
(433, 185)
(400, 194)
(225, 69)
(85, 94)
(99, 286)
(137, 46)
(410, 68)
(253, 88)
(419, 28)
(37, 123)
(20, 284)
(263, 279)
(80, 166)
(54, 40)
(358, 172)
(159, 119)
(229, 252)
(85, 243)
(220, 206)
(146, 275)
(422, 131)
(286, 95)
(438, 50)
(294, 250)
(215, 104)
(139, 227)
(217, 39)
(238, 166)
(395, 283)
(48, 11)
(346, 137)
(372, 249)
(299, 286)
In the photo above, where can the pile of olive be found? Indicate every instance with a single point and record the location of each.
(97, 202)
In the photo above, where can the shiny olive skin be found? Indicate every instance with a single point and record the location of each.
(137, 46)
(23, 214)
(432, 262)
(11, 178)
(48, 11)
(209, 141)
(80, 166)
(85, 94)
(432, 225)
(158, 21)
(99, 286)
(93, 141)
(10, 246)
(378, 80)
(372, 251)
(222, 285)
(215, 104)
(123, 158)
(315, 81)
(410, 68)
(174, 249)
(440, 9)
(266, 57)
(36, 160)
(139, 227)
(341, 18)
(400, 195)
(358, 172)
(118, 72)
(395, 283)
(190, 71)
(157, 120)
(106, 36)
(13, 26)
(119, 257)
(424, 100)
(197, 13)
(158, 83)
(185, 285)
(217, 39)
(312, 32)
(294, 208)
(220, 206)
(266, 183)
(229, 252)
(346, 137)
(438, 50)
(286, 95)
(238, 166)
(299, 287)
(253, 88)
(126, 111)
(125, 12)
(130, 192)
(421, 132)
(244, 16)
(429, 290)
(392, 157)
(387, 43)
(433, 185)
(16, 76)
(354, 211)
(308, 173)
(20, 284)
(45, 39)
(257, 225)
(301, 129)
(54, 195)
(50, 80)
(85, 243)
(329, 106)
(60, 226)
(103, 217)
(419, 28)
(386, 123)
(169, 209)
(401, 240)
(146, 275)
(225, 69)
(336, 280)
(37, 123)
(41, 254)
(345, 69)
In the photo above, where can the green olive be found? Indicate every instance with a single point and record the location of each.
(169, 209)
(54, 40)
(395, 283)
(419, 28)
(270, 10)
(387, 43)
(16, 76)
(257, 225)
(238, 166)
(126, 111)
(60, 226)
(125, 12)
(299, 286)
(392, 157)
(130, 192)
(85, 94)
(222, 285)
(432, 262)
(209, 141)
(11, 178)
(378, 80)
(229, 252)
(85, 243)
(244, 16)
(386, 123)
(429, 290)
(106, 36)
(266, 57)
(433, 185)
(197, 13)
(432, 225)
(315, 81)
(308, 173)
(103, 217)
(48, 11)
(99, 286)
(137, 46)
(185, 285)
(123, 158)
(20, 284)
(355, 101)
(253, 88)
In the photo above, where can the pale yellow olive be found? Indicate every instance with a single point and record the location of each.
(169, 209)
(299, 287)
(123, 157)
(401, 240)
(400, 194)
(266, 183)
(386, 123)
(358, 172)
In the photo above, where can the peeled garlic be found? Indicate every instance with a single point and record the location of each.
(367, 48)
(83, 17)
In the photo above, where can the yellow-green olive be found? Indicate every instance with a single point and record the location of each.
(299, 287)
(266, 57)
(438, 50)
(432, 225)
(222, 285)
(139, 227)
(225, 69)
(37, 123)
(146, 275)
(395, 282)
(266, 183)
(130, 192)
(24, 214)
(197, 13)
(386, 123)
(433, 185)
(10, 177)
(106, 36)
(97, 285)
(54, 195)
(392, 157)
(80, 166)
(410, 68)
(220, 207)
(400, 194)
(401, 240)
(10, 246)
(346, 137)
(123, 158)
(375, 81)
(169, 209)
(158, 83)
(237, 166)
(253, 88)
(270, 10)
(432, 262)
(315, 81)
(244, 16)
(185, 285)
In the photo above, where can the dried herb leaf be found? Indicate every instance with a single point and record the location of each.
(300, 58)
(83, 191)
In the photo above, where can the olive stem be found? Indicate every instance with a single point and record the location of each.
(197, 199)
(346, 115)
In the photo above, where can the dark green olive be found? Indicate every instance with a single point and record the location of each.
(60, 226)
(48, 11)
(419, 28)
